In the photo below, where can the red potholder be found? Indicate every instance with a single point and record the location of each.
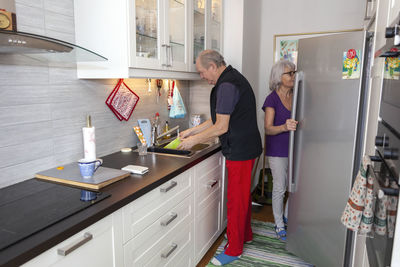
(108, 101)
(122, 101)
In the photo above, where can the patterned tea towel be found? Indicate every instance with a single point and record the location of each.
(358, 213)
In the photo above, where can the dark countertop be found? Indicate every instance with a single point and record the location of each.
(161, 169)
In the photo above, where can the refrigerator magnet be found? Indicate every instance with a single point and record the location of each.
(351, 64)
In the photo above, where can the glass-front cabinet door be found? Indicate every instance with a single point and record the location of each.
(207, 27)
(147, 47)
(215, 25)
(199, 27)
(176, 34)
(161, 35)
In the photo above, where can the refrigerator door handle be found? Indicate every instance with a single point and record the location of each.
(292, 180)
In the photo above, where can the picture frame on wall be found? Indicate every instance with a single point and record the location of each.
(286, 45)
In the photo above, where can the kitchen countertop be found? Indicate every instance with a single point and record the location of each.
(161, 169)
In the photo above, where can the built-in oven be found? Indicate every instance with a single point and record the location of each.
(383, 245)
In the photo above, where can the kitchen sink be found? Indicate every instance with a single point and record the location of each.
(177, 152)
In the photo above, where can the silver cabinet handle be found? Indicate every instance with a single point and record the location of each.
(292, 183)
(170, 57)
(68, 249)
(166, 189)
(166, 55)
(172, 217)
(212, 183)
(169, 250)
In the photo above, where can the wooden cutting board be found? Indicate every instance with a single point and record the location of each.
(70, 175)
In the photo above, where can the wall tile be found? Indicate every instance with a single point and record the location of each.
(65, 7)
(25, 133)
(43, 108)
(13, 155)
(21, 114)
(59, 22)
(30, 3)
(32, 17)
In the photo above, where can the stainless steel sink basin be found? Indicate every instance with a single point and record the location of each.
(177, 152)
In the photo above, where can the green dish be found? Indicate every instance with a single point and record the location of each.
(173, 144)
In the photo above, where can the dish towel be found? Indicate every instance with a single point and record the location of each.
(358, 214)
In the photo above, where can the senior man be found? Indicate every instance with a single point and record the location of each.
(234, 121)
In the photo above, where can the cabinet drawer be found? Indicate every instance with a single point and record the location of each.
(93, 247)
(143, 211)
(208, 164)
(164, 245)
(206, 185)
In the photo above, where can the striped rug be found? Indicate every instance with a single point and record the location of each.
(265, 250)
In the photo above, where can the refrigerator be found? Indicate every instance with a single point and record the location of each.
(325, 150)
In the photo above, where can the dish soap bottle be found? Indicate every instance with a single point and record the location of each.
(166, 129)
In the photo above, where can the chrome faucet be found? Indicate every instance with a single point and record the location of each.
(156, 138)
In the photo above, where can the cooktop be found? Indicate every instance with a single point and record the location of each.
(31, 206)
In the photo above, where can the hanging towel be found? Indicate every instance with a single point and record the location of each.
(353, 211)
(380, 215)
(392, 211)
(367, 218)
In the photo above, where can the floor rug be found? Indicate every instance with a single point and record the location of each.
(264, 250)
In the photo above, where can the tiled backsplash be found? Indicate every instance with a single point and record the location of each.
(43, 109)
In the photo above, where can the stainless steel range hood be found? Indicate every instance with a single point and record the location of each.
(26, 48)
(43, 48)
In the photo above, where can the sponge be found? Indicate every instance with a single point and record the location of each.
(173, 144)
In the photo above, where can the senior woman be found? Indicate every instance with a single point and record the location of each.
(277, 107)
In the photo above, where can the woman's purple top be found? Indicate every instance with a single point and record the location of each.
(277, 145)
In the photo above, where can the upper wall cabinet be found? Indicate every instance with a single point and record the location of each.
(142, 38)
(207, 27)
(394, 10)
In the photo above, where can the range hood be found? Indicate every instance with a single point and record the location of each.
(43, 49)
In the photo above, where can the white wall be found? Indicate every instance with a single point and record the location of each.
(288, 16)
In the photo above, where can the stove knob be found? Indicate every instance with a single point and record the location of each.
(390, 32)
(391, 153)
(379, 141)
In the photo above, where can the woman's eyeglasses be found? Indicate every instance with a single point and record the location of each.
(291, 73)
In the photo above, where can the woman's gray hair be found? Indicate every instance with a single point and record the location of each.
(208, 56)
(276, 73)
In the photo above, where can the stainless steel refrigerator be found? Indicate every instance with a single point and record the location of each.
(324, 152)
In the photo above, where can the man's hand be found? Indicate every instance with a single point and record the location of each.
(187, 143)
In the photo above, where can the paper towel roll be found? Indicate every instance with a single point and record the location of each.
(89, 143)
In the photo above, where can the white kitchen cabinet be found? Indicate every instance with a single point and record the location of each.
(207, 27)
(208, 182)
(166, 242)
(139, 38)
(98, 245)
(394, 9)
(381, 23)
(172, 225)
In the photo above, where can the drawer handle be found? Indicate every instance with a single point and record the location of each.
(172, 217)
(212, 184)
(166, 189)
(68, 249)
(169, 250)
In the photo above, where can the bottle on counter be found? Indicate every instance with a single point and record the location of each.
(166, 129)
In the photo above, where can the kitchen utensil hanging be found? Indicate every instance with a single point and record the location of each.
(171, 85)
(122, 101)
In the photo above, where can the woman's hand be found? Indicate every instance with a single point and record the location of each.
(290, 125)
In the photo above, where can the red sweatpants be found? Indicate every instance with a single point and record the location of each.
(238, 205)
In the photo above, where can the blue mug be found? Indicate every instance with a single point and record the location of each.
(88, 195)
(88, 168)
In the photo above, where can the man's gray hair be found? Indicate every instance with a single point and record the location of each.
(208, 56)
(276, 73)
